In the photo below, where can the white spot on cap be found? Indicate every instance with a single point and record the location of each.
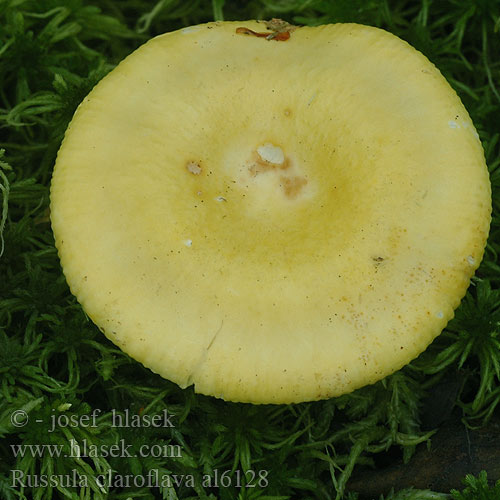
(272, 154)
(220, 198)
(453, 124)
(188, 243)
(440, 314)
(190, 29)
(471, 260)
(194, 168)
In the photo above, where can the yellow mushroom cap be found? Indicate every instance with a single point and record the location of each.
(273, 221)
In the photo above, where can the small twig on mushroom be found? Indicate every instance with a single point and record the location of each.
(280, 30)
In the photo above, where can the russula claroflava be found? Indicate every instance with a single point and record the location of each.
(271, 214)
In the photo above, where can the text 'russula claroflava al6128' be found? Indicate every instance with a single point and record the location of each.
(273, 214)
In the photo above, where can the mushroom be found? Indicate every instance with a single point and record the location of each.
(272, 219)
